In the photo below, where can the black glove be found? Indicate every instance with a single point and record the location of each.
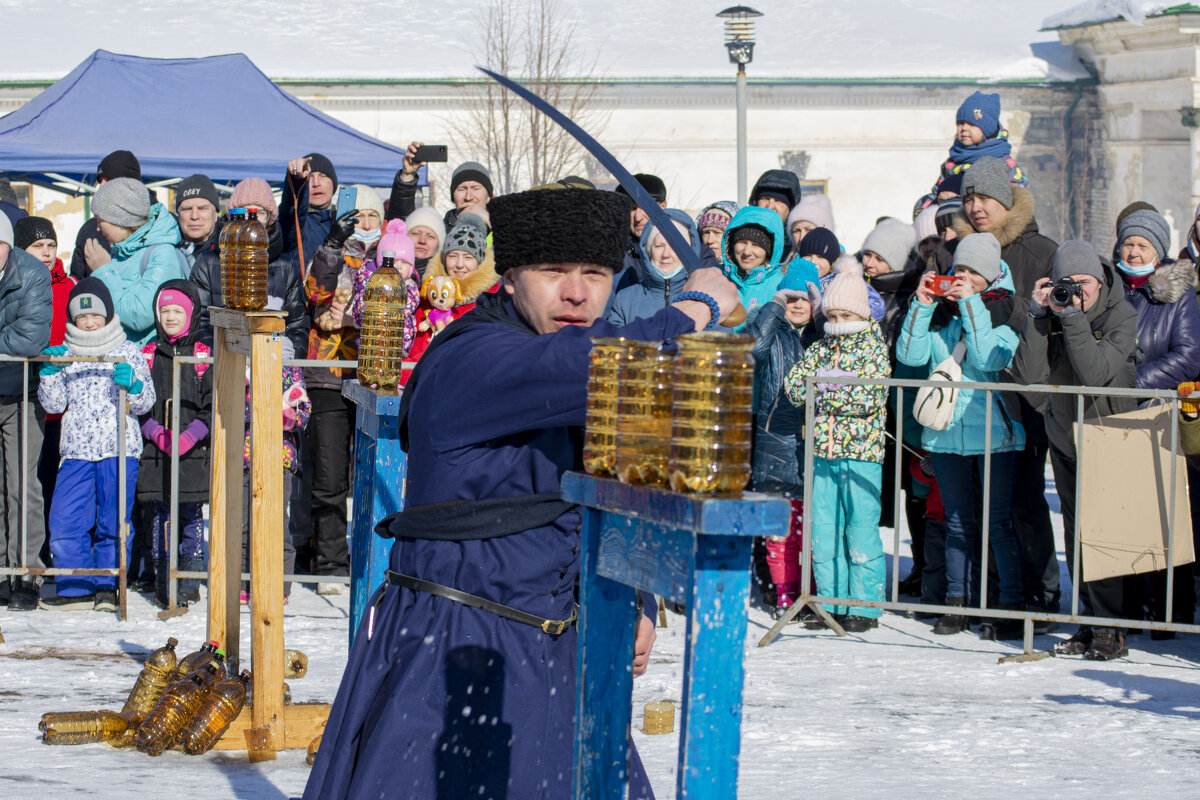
(341, 230)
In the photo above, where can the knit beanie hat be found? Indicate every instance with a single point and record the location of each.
(892, 240)
(1147, 224)
(952, 183)
(6, 230)
(395, 240)
(469, 234)
(426, 217)
(980, 253)
(653, 185)
(90, 296)
(1076, 257)
(319, 163)
(471, 171)
(367, 199)
(989, 177)
(751, 233)
(800, 276)
(196, 186)
(174, 297)
(982, 111)
(820, 242)
(32, 229)
(812, 207)
(119, 164)
(1136, 205)
(946, 213)
(715, 216)
(847, 291)
(255, 192)
(925, 224)
(122, 201)
(568, 226)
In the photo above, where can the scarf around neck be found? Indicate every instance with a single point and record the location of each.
(95, 343)
(998, 147)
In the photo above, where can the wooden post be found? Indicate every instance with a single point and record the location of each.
(380, 469)
(690, 549)
(259, 337)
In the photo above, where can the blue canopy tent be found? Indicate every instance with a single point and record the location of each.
(220, 116)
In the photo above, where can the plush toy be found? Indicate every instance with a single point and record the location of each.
(442, 293)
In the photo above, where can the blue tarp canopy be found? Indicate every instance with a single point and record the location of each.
(219, 116)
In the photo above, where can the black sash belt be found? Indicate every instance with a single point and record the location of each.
(551, 626)
(466, 520)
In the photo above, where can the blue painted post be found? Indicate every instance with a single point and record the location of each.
(380, 467)
(688, 548)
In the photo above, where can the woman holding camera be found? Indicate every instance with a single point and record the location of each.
(1080, 332)
(969, 323)
(1163, 294)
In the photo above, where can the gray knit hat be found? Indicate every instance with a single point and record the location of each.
(1076, 257)
(989, 177)
(980, 253)
(892, 240)
(1149, 225)
(122, 201)
(471, 171)
(469, 235)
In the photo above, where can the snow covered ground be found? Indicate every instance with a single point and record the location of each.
(896, 712)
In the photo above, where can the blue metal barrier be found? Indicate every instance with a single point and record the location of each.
(688, 548)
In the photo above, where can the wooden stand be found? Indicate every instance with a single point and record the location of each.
(690, 549)
(257, 335)
(380, 468)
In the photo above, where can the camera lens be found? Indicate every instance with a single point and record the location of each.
(1061, 296)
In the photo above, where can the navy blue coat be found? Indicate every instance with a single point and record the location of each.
(314, 222)
(779, 425)
(444, 700)
(1168, 334)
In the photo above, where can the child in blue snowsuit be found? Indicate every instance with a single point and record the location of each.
(977, 134)
(848, 421)
(86, 492)
(177, 321)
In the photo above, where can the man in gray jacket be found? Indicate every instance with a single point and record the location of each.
(1090, 341)
(25, 308)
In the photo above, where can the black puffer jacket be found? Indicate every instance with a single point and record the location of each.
(195, 403)
(1168, 333)
(1095, 348)
(779, 425)
(284, 289)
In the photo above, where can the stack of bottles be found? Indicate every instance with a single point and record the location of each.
(681, 420)
(244, 259)
(187, 703)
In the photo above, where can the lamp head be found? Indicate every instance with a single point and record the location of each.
(739, 33)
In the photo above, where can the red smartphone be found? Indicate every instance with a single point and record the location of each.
(941, 284)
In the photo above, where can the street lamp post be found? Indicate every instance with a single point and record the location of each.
(739, 41)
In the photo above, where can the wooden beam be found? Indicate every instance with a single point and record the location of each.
(303, 721)
(247, 321)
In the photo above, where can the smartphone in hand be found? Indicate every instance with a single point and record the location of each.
(431, 152)
(347, 200)
(941, 285)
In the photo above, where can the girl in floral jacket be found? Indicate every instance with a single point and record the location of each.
(848, 447)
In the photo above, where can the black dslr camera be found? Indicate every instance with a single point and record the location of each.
(1064, 289)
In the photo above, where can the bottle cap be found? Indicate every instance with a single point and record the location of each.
(220, 653)
(389, 254)
(172, 642)
(214, 644)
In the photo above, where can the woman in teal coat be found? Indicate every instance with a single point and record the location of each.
(971, 315)
(752, 249)
(143, 253)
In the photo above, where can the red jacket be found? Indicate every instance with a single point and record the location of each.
(60, 288)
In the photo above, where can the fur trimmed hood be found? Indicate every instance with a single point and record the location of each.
(474, 284)
(1018, 220)
(1171, 281)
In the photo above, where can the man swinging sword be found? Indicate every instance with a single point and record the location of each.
(461, 680)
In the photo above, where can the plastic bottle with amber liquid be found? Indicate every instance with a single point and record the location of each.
(381, 338)
(82, 727)
(644, 378)
(194, 659)
(225, 245)
(712, 416)
(247, 287)
(176, 708)
(217, 711)
(152, 681)
(600, 431)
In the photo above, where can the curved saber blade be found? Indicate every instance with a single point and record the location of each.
(658, 217)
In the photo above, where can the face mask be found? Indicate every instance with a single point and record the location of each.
(366, 236)
(1136, 272)
(671, 274)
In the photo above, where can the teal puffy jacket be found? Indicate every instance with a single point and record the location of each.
(757, 288)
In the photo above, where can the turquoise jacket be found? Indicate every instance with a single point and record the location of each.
(757, 288)
(989, 352)
(140, 264)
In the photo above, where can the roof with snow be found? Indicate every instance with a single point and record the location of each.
(942, 40)
(1094, 12)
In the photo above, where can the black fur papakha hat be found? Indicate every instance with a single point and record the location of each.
(566, 226)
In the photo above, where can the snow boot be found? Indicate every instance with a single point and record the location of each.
(948, 624)
(1005, 630)
(853, 623)
(1079, 643)
(189, 588)
(1107, 644)
(911, 586)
